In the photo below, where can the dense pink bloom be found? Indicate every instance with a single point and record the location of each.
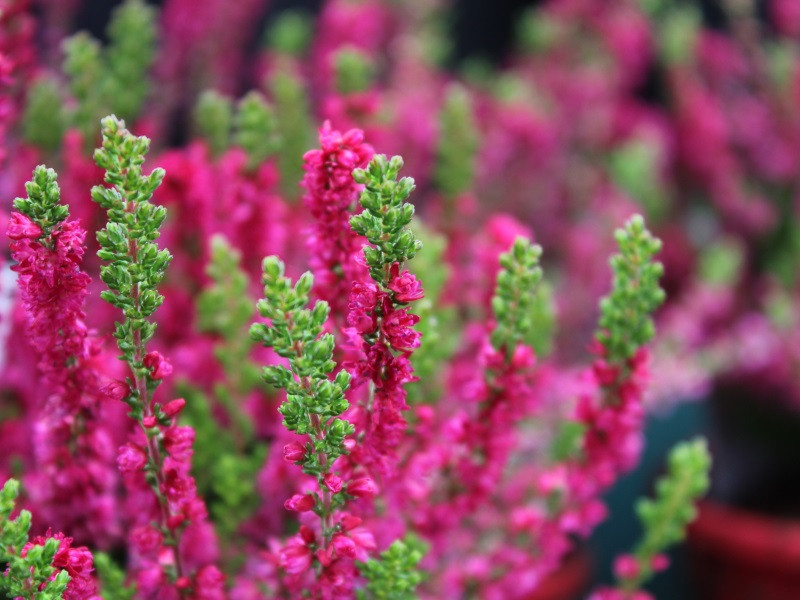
(300, 503)
(76, 561)
(406, 286)
(158, 365)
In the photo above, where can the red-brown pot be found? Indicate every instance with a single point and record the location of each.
(569, 582)
(742, 555)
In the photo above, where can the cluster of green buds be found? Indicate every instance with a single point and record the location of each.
(666, 516)
(43, 202)
(625, 314)
(251, 125)
(521, 303)
(101, 80)
(395, 575)
(29, 576)
(386, 216)
(458, 145)
(127, 243)
(314, 402)
(354, 71)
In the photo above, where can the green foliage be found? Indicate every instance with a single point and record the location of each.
(129, 56)
(293, 119)
(386, 216)
(256, 128)
(43, 119)
(633, 167)
(313, 401)
(665, 517)
(454, 172)
(213, 120)
(395, 575)
(290, 33)
(26, 577)
(354, 71)
(625, 314)
(437, 321)
(127, 243)
(226, 459)
(680, 27)
(114, 79)
(112, 578)
(522, 308)
(83, 66)
(43, 203)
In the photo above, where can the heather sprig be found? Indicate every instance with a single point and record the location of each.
(386, 216)
(313, 401)
(43, 119)
(43, 202)
(256, 128)
(625, 321)
(29, 576)
(127, 243)
(115, 78)
(517, 297)
(458, 145)
(213, 120)
(665, 516)
(290, 98)
(354, 71)
(395, 575)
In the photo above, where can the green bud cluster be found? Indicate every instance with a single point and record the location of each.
(386, 216)
(213, 120)
(516, 304)
(127, 243)
(252, 125)
(114, 79)
(28, 576)
(665, 517)
(293, 118)
(226, 458)
(43, 203)
(290, 34)
(256, 128)
(454, 172)
(395, 575)
(43, 119)
(313, 400)
(354, 71)
(625, 314)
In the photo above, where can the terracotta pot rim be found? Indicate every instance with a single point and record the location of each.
(746, 537)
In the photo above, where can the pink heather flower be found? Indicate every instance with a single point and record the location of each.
(660, 562)
(344, 546)
(300, 503)
(131, 458)
(158, 365)
(626, 567)
(76, 561)
(174, 407)
(116, 390)
(363, 487)
(176, 486)
(333, 482)
(209, 584)
(147, 539)
(294, 452)
(21, 226)
(406, 286)
(178, 442)
(296, 556)
(397, 326)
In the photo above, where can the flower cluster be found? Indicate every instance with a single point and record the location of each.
(72, 431)
(664, 519)
(330, 195)
(156, 461)
(312, 409)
